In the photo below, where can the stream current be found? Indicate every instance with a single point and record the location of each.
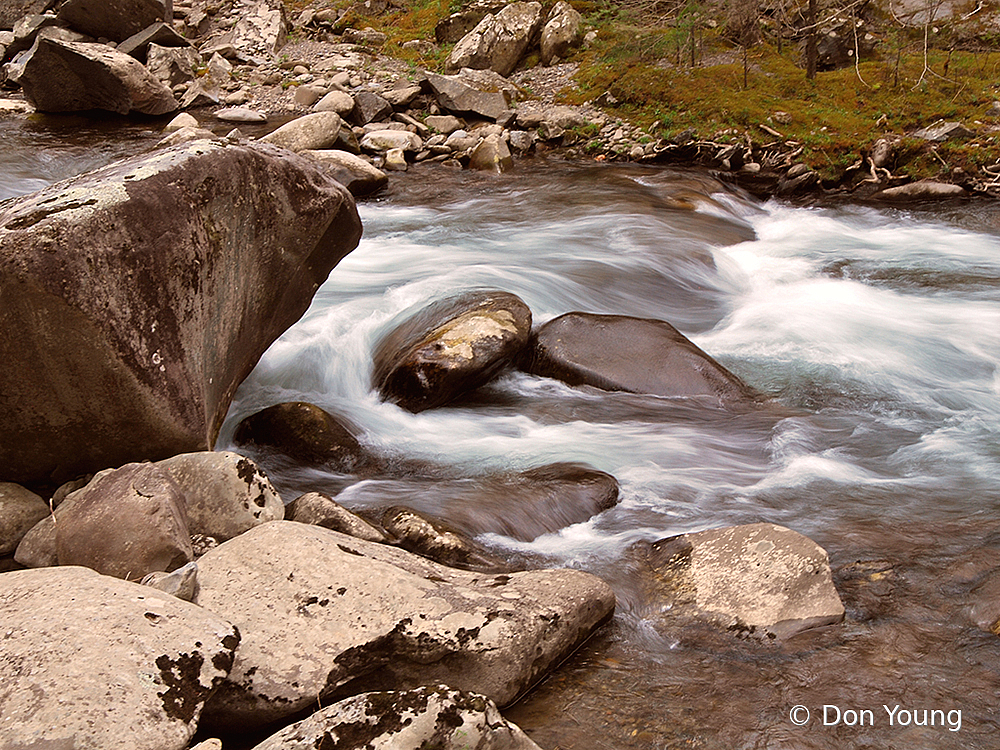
(876, 331)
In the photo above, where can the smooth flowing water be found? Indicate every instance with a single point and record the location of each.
(876, 332)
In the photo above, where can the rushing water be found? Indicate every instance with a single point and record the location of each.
(876, 332)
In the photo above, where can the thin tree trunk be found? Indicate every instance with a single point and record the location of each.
(811, 55)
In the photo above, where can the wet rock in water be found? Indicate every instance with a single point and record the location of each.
(61, 76)
(126, 325)
(639, 355)
(434, 540)
(522, 506)
(320, 612)
(316, 131)
(921, 191)
(125, 523)
(225, 494)
(760, 580)
(114, 19)
(181, 583)
(317, 509)
(305, 433)
(425, 717)
(89, 661)
(353, 172)
(491, 155)
(498, 42)
(450, 348)
(20, 510)
(458, 97)
(942, 131)
(562, 32)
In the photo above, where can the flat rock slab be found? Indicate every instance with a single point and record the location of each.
(321, 612)
(138, 297)
(760, 579)
(90, 662)
(114, 19)
(639, 355)
(425, 717)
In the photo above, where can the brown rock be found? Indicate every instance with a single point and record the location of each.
(20, 510)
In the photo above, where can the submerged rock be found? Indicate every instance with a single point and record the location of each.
(425, 717)
(88, 661)
(639, 355)
(61, 76)
(319, 611)
(522, 506)
(137, 297)
(761, 580)
(306, 433)
(450, 348)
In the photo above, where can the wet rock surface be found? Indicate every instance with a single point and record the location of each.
(93, 662)
(345, 614)
(450, 348)
(166, 347)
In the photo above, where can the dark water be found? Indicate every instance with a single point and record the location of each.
(877, 333)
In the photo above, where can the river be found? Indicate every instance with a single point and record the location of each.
(876, 330)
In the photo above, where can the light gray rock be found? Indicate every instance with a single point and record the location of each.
(91, 662)
(317, 509)
(944, 131)
(761, 580)
(356, 174)
(20, 510)
(446, 124)
(336, 101)
(126, 523)
(72, 76)
(340, 609)
(922, 190)
(240, 114)
(183, 120)
(457, 25)
(434, 540)
(382, 140)
(260, 31)
(131, 358)
(395, 160)
(158, 33)
(534, 115)
(114, 19)
(402, 97)
(563, 30)
(306, 96)
(181, 583)
(315, 131)
(225, 494)
(425, 717)
(491, 155)
(185, 135)
(449, 348)
(172, 65)
(498, 42)
(458, 97)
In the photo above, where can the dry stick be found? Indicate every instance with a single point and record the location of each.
(857, 52)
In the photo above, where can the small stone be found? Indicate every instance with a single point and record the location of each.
(180, 583)
(395, 160)
(183, 120)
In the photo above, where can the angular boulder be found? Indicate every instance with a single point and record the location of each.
(450, 348)
(114, 19)
(260, 31)
(58, 76)
(522, 506)
(159, 33)
(305, 433)
(638, 355)
(125, 523)
(458, 97)
(491, 155)
(562, 31)
(498, 42)
(92, 662)
(225, 494)
(172, 65)
(436, 717)
(759, 580)
(20, 510)
(137, 298)
(320, 612)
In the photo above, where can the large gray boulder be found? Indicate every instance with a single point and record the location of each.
(498, 42)
(319, 610)
(137, 298)
(319, 130)
(58, 76)
(426, 717)
(450, 348)
(758, 580)
(90, 662)
(640, 355)
(225, 494)
(455, 95)
(114, 19)
(562, 31)
(20, 510)
(260, 31)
